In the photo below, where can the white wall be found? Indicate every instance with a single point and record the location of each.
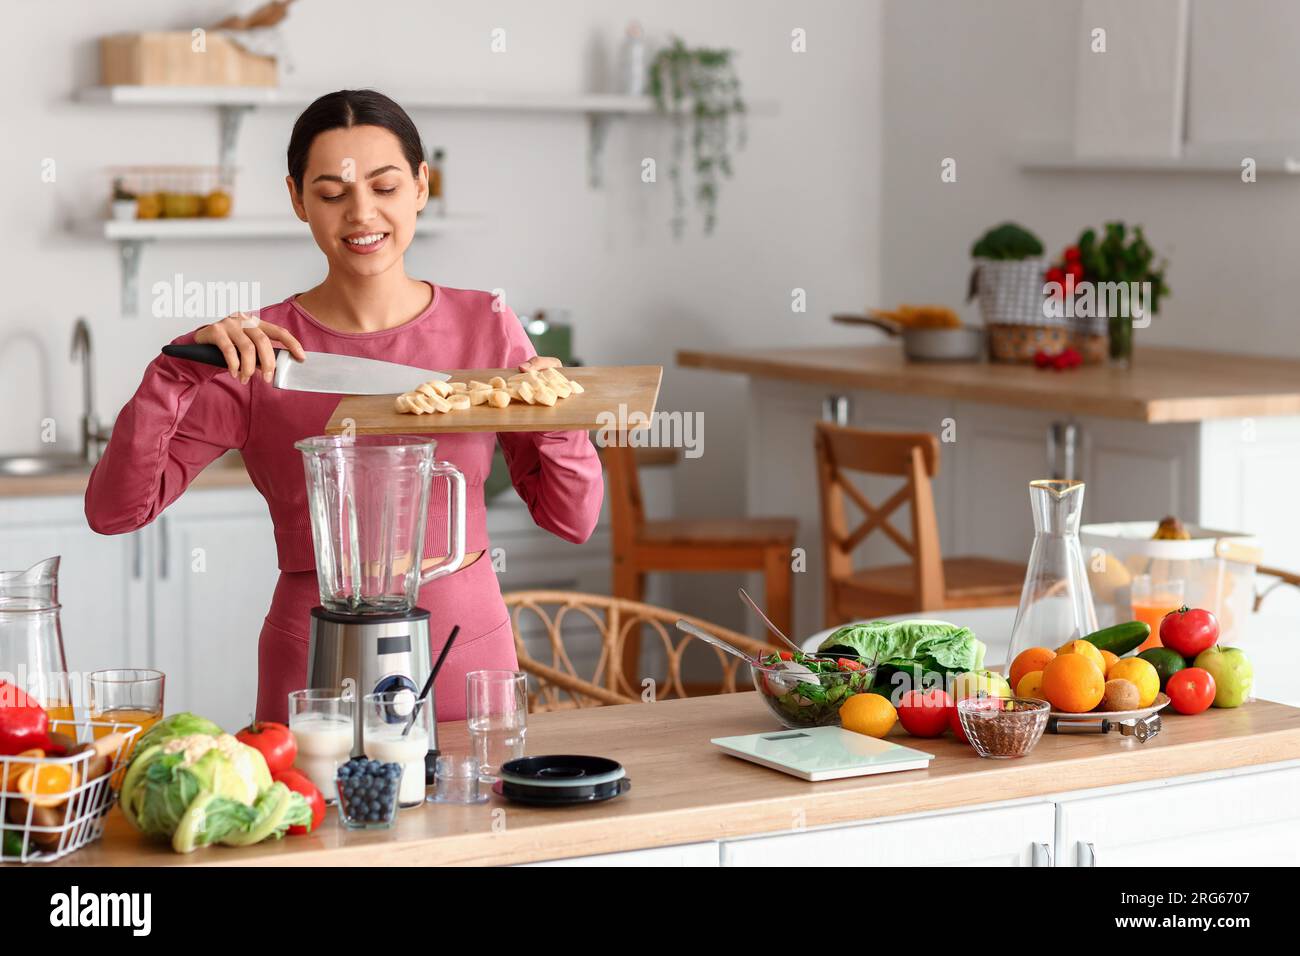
(802, 210)
(971, 80)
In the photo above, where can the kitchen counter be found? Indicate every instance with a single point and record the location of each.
(1164, 385)
(685, 790)
(222, 473)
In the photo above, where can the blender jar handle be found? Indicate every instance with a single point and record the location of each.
(455, 521)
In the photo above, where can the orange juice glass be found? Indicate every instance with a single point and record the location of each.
(1151, 601)
(125, 696)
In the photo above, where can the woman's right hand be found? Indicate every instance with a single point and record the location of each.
(245, 341)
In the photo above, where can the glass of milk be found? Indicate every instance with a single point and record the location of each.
(386, 739)
(322, 724)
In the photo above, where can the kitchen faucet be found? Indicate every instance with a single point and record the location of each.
(92, 436)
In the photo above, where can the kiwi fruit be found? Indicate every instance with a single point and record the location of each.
(1120, 694)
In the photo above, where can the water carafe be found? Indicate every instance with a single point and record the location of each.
(31, 640)
(1056, 602)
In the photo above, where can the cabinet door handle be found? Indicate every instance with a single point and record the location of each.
(1040, 854)
(162, 548)
(1087, 854)
(137, 556)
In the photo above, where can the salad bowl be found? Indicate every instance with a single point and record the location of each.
(807, 690)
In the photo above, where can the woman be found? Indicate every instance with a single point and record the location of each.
(357, 178)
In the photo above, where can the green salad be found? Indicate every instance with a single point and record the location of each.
(809, 689)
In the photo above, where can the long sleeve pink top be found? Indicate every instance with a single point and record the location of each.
(186, 414)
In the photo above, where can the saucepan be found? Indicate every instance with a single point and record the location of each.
(962, 343)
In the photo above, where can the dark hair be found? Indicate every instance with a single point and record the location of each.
(343, 110)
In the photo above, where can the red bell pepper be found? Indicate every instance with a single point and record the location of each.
(24, 725)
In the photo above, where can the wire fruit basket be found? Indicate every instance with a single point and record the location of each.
(41, 826)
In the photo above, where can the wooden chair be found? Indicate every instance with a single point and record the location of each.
(555, 682)
(691, 544)
(929, 582)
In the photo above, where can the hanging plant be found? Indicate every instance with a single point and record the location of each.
(702, 85)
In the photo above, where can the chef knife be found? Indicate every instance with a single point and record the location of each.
(324, 371)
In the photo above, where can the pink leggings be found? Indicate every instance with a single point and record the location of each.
(471, 597)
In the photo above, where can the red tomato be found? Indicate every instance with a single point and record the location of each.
(1071, 253)
(297, 781)
(848, 664)
(954, 724)
(273, 741)
(1191, 690)
(1188, 632)
(924, 713)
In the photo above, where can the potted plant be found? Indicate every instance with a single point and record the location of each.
(124, 202)
(1008, 279)
(1120, 269)
(1109, 284)
(701, 83)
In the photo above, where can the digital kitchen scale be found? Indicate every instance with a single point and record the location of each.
(824, 753)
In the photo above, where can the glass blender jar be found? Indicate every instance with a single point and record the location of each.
(371, 504)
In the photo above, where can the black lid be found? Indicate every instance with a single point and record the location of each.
(393, 617)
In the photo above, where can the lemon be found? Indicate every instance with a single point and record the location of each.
(1141, 674)
(868, 714)
(1031, 685)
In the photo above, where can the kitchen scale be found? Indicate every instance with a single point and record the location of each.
(824, 753)
(369, 501)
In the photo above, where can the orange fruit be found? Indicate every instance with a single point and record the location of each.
(1142, 675)
(47, 784)
(17, 768)
(1073, 683)
(1030, 659)
(1087, 650)
(1031, 685)
(1110, 659)
(869, 714)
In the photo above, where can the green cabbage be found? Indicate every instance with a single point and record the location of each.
(194, 784)
(914, 646)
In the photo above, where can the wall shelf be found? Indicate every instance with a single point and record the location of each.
(1226, 159)
(130, 235)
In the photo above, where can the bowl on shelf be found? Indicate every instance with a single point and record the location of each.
(1002, 727)
(800, 695)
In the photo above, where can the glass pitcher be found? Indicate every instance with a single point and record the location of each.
(31, 640)
(369, 497)
(1056, 602)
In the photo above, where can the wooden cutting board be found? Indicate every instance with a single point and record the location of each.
(618, 397)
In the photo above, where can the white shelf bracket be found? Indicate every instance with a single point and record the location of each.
(232, 117)
(128, 251)
(597, 132)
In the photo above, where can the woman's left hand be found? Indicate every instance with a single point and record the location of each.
(539, 362)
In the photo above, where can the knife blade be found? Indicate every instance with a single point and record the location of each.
(324, 371)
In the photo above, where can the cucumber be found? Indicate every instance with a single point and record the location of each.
(1119, 639)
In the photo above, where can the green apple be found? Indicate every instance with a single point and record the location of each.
(972, 683)
(1232, 674)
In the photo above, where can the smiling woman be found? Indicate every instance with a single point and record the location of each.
(356, 176)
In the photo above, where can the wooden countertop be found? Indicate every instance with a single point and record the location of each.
(1164, 385)
(222, 475)
(685, 790)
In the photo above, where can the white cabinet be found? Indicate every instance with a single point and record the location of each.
(213, 570)
(1248, 820)
(103, 584)
(1003, 836)
(687, 854)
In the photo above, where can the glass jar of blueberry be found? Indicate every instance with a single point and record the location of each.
(368, 793)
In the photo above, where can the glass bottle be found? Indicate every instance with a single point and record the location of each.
(1056, 601)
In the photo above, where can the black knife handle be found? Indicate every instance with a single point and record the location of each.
(207, 354)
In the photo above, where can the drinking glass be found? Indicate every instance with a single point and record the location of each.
(387, 740)
(496, 710)
(323, 725)
(125, 696)
(458, 780)
(1151, 600)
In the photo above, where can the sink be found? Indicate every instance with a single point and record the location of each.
(37, 466)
